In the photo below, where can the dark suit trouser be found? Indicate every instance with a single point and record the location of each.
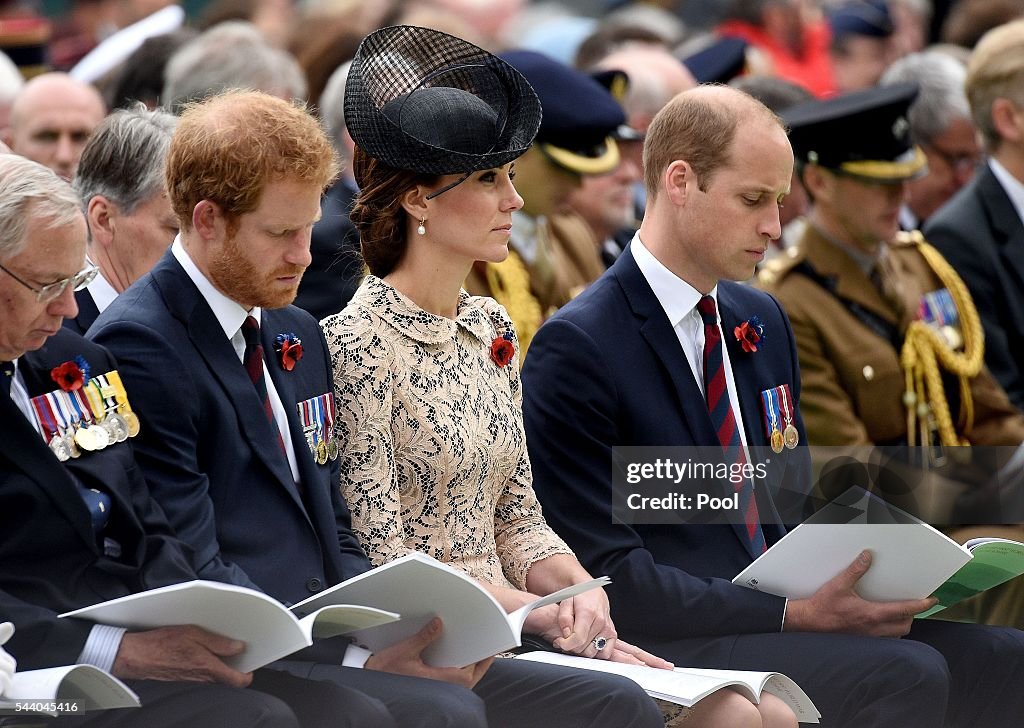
(274, 700)
(942, 674)
(511, 695)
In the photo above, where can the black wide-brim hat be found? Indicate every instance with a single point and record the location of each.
(424, 101)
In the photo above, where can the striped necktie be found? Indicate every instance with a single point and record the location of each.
(716, 392)
(253, 361)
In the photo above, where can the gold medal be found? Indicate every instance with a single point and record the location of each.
(776, 441)
(92, 438)
(791, 437)
(332, 448)
(132, 420)
(321, 453)
(84, 439)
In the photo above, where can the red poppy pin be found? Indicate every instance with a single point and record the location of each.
(750, 334)
(289, 350)
(71, 375)
(502, 349)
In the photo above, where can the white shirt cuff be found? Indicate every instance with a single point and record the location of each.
(356, 656)
(101, 648)
(784, 608)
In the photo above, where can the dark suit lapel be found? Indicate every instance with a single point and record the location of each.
(658, 333)
(1006, 223)
(24, 447)
(87, 311)
(187, 304)
(285, 383)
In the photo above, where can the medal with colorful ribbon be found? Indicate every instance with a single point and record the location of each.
(790, 435)
(48, 424)
(770, 404)
(114, 423)
(64, 424)
(310, 428)
(321, 445)
(111, 381)
(88, 436)
(333, 448)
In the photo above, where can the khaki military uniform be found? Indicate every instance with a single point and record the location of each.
(851, 379)
(567, 261)
(852, 384)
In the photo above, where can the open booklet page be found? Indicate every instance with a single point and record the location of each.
(910, 559)
(421, 588)
(686, 686)
(269, 630)
(65, 691)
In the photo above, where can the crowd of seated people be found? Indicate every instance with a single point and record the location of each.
(302, 291)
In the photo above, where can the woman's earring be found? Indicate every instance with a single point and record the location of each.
(422, 229)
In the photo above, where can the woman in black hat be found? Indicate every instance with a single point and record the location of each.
(427, 377)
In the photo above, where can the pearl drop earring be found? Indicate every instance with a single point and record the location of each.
(422, 229)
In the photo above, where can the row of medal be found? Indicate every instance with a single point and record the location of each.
(317, 417)
(778, 416)
(938, 309)
(90, 418)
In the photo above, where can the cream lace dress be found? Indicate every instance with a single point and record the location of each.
(433, 452)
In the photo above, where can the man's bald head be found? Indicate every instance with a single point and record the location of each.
(51, 119)
(655, 77)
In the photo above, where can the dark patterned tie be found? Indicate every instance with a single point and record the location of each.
(253, 361)
(716, 392)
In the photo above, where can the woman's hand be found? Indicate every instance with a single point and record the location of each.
(585, 625)
(633, 655)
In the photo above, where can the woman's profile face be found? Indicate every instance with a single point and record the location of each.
(473, 220)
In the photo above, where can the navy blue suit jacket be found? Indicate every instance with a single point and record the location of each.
(50, 561)
(607, 370)
(208, 449)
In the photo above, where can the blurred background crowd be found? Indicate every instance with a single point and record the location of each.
(88, 57)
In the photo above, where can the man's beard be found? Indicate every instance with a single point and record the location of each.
(241, 281)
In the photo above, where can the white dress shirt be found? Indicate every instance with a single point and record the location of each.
(230, 315)
(679, 301)
(103, 294)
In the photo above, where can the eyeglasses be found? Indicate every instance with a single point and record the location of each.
(959, 162)
(52, 291)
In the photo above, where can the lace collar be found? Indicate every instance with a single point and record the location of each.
(388, 304)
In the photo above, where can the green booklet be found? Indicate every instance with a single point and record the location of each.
(994, 561)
